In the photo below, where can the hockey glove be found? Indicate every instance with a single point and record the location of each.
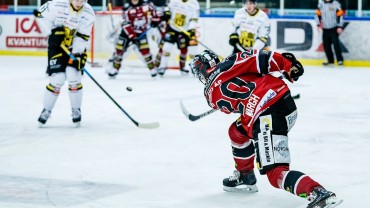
(37, 13)
(297, 69)
(80, 61)
(56, 37)
(166, 16)
(233, 39)
(191, 34)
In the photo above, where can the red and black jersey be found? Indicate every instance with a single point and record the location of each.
(247, 83)
(136, 19)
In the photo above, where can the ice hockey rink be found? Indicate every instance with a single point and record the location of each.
(110, 163)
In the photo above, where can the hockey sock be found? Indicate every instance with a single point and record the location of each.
(75, 95)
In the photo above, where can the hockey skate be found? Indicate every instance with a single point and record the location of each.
(45, 114)
(112, 73)
(153, 72)
(184, 71)
(76, 116)
(240, 182)
(321, 198)
(161, 71)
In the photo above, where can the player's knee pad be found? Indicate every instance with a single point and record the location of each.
(143, 44)
(57, 79)
(121, 45)
(182, 42)
(242, 145)
(272, 149)
(167, 47)
(56, 82)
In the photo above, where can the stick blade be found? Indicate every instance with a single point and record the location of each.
(152, 125)
(183, 109)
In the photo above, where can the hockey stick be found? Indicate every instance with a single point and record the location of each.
(188, 34)
(194, 117)
(110, 14)
(141, 125)
(297, 96)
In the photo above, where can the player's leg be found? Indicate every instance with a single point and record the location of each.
(143, 46)
(75, 93)
(57, 62)
(169, 40)
(243, 154)
(327, 41)
(337, 49)
(273, 154)
(56, 81)
(193, 50)
(182, 45)
(121, 47)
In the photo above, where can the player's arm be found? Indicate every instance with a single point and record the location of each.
(263, 34)
(286, 64)
(340, 14)
(80, 41)
(127, 25)
(193, 21)
(264, 62)
(234, 37)
(318, 16)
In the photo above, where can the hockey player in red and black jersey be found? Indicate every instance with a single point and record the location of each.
(251, 83)
(137, 16)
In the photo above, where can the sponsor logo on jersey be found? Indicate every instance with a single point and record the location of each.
(268, 96)
(282, 148)
(251, 105)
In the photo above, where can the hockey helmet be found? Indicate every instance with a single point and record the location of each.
(204, 64)
(159, 3)
(135, 2)
(253, 1)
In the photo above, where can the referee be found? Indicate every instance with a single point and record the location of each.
(329, 18)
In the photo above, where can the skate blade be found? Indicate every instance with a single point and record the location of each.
(242, 188)
(77, 124)
(41, 125)
(333, 202)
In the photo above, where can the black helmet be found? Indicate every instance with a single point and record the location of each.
(245, 1)
(204, 64)
(159, 3)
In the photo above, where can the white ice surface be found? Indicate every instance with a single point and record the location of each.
(110, 163)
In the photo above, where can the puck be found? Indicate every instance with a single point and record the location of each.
(129, 89)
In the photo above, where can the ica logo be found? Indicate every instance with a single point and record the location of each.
(26, 25)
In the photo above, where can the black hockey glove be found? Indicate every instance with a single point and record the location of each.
(297, 69)
(80, 61)
(56, 37)
(191, 34)
(233, 39)
(166, 16)
(37, 13)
